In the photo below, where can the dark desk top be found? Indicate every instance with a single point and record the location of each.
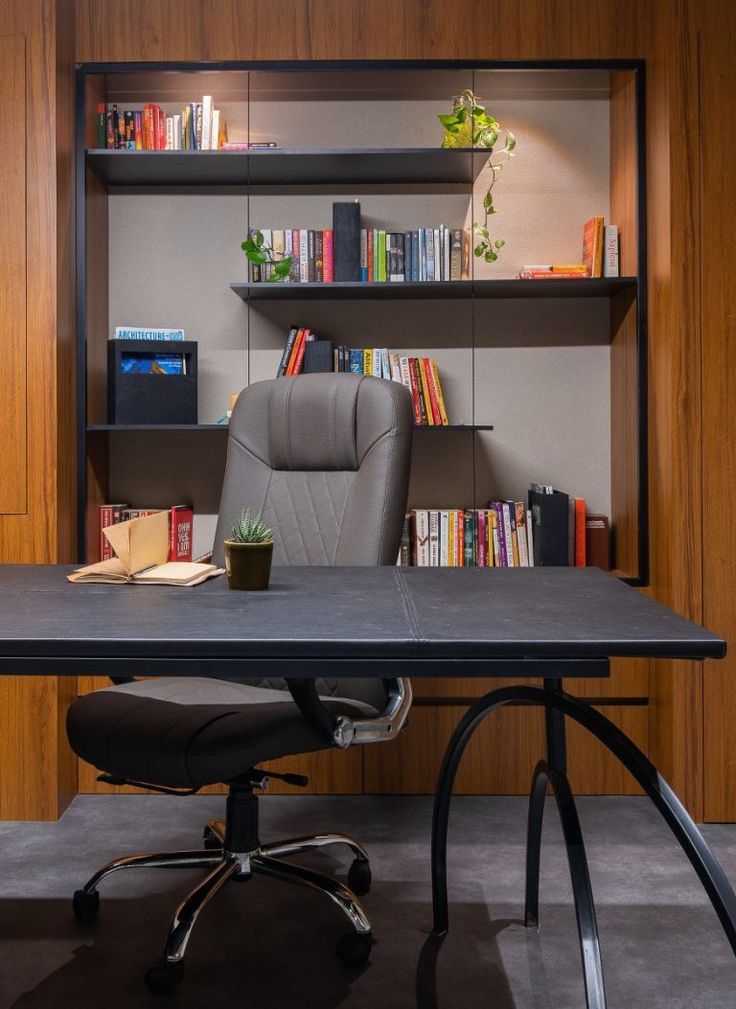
(358, 621)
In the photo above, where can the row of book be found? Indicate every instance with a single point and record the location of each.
(303, 354)
(348, 252)
(599, 256)
(181, 521)
(550, 529)
(198, 127)
(421, 254)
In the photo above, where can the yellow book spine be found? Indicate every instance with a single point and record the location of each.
(425, 393)
(368, 361)
(438, 390)
(490, 556)
(451, 524)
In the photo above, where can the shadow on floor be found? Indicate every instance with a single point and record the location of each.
(274, 952)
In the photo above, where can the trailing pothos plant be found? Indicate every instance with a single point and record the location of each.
(469, 125)
(259, 252)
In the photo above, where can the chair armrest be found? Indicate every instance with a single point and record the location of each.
(344, 731)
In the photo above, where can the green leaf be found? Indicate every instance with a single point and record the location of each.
(490, 256)
(484, 232)
(499, 243)
(448, 121)
(257, 256)
(282, 269)
(479, 249)
(488, 202)
(510, 143)
(259, 239)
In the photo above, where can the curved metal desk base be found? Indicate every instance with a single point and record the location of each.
(558, 706)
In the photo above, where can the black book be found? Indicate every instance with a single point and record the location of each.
(550, 520)
(346, 241)
(318, 356)
(310, 256)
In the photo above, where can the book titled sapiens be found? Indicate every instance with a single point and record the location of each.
(140, 333)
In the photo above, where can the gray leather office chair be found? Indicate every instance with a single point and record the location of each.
(326, 457)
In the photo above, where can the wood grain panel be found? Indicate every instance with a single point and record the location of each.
(13, 462)
(501, 755)
(718, 214)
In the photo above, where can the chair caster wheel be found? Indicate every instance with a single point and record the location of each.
(164, 976)
(85, 905)
(359, 877)
(354, 949)
(210, 840)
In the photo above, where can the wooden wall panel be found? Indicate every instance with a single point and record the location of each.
(718, 215)
(13, 367)
(34, 708)
(501, 755)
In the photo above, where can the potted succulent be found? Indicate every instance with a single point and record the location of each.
(248, 552)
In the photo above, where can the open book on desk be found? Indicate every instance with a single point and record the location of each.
(141, 557)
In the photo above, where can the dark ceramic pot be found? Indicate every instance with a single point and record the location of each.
(248, 565)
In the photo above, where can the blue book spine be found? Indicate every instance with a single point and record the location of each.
(407, 255)
(356, 361)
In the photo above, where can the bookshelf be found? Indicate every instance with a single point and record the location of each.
(521, 361)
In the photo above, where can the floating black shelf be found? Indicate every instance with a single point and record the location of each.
(598, 287)
(91, 428)
(384, 166)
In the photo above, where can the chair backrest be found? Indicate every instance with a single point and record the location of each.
(326, 459)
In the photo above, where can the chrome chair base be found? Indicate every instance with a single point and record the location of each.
(225, 865)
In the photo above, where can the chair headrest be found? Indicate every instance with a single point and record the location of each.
(311, 422)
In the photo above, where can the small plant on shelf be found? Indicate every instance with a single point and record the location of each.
(469, 125)
(260, 253)
(248, 552)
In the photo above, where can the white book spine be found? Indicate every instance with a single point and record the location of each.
(529, 537)
(434, 539)
(169, 146)
(437, 256)
(303, 258)
(421, 531)
(610, 251)
(376, 366)
(446, 248)
(404, 370)
(176, 129)
(421, 272)
(506, 509)
(385, 365)
(393, 360)
(206, 143)
(444, 539)
(214, 146)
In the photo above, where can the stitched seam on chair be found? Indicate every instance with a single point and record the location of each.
(287, 413)
(245, 448)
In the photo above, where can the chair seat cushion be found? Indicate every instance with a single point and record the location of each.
(183, 732)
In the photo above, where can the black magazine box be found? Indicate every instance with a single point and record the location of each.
(151, 398)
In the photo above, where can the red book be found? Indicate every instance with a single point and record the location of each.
(424, 362)
(299, 359)
(371, 263)
(160, 125)
(579, 532)
(328, 263)
(181, 521)
(105, 514)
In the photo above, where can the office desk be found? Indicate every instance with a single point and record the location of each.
(544, 623)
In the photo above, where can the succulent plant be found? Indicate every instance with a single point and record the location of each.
(250, 528)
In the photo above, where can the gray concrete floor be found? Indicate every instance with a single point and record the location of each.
(264, 944)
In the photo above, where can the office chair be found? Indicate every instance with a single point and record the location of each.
(326, 458)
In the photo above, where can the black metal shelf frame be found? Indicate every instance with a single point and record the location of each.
(285, 167)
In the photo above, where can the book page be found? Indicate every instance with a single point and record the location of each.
(177, 573)
(140, 543)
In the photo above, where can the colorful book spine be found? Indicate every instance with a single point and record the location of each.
(328, 256)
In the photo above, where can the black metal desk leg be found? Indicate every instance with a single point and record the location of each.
(554, 772)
